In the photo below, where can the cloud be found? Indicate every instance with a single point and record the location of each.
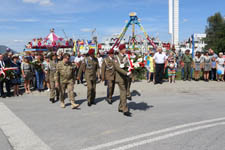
(40, 2)
(19, 20)
(18, 41)
(86, 30)
(185, 20)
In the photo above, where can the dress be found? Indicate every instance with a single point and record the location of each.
(171, 67)
(197, 62)
(207, 63)
(151, 64)
(220, 65)
(26, 67)
(16, 80)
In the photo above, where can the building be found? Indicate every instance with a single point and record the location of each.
(174, 21)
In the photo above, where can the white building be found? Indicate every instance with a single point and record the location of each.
(174, 21)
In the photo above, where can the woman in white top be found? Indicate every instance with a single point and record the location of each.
(220, 67)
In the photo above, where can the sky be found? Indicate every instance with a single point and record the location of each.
(23, 20)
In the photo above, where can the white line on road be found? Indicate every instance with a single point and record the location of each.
(152, 133)
(20, 136)
(168, 136)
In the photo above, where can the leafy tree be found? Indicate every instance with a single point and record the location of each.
(215, 33)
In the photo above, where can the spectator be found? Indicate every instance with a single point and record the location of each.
(213, 72)
(100, 61)
(171, 67)
(187, 59)
(159, 64)
(220, 67)
(197, 66)
(27, 73)
(78, 59)
(207, 66)
(4, 80)
(16, 75)
(39, 73)
(46, 75)
(72, 57)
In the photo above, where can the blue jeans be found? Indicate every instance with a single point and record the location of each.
(39, 79)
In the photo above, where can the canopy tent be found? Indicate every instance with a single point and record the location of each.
(51, 41)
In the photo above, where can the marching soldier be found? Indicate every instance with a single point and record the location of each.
(108, 74)
(65, 79)
(54, 92)
(90, 66)
(121, 65)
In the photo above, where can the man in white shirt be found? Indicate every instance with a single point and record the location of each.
(160, 59)
(78, 59)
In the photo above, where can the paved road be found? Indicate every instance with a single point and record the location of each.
(181, 116)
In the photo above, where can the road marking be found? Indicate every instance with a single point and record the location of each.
(101, 146)
(168, 136)
(20, 136)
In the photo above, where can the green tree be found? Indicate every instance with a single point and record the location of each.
(215, 33)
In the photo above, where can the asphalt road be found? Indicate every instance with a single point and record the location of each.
(180, 116)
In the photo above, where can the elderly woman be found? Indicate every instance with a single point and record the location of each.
(197, 66)
(220, 67)
(207, 66)
(16, 74)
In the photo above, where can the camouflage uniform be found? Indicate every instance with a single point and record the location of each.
(54, 92)
(65, 76)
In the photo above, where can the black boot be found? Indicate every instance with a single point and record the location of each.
(128, 114)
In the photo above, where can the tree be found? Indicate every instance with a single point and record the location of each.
(215, 33)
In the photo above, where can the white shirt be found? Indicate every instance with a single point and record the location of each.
(160, 58)
(78, 59)
(100, 61)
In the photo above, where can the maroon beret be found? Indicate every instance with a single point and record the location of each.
(122, 46)
(91, 51)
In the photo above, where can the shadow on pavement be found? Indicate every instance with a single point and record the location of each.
(139, 106)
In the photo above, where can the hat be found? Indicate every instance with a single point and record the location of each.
(111, 51)
(91, 51)
(122, 46)
(15, 56)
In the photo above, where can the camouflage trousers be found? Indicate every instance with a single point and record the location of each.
(70, 88)
(54, 92)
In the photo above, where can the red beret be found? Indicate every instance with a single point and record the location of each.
(111, 51)
(91, 51)
(122, 46)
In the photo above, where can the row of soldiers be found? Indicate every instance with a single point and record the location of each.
(115, 70)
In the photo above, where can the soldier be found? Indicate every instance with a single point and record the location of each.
(121, 65)
(187, 59)
(90, 67)
(54, 92)
(65, 79)
(108, 74)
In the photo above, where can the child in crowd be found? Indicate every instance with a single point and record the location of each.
(171, 68)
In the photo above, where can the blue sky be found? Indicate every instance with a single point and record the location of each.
(23, 20)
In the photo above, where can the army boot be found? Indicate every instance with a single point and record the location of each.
(74, 105)
(62, 104)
